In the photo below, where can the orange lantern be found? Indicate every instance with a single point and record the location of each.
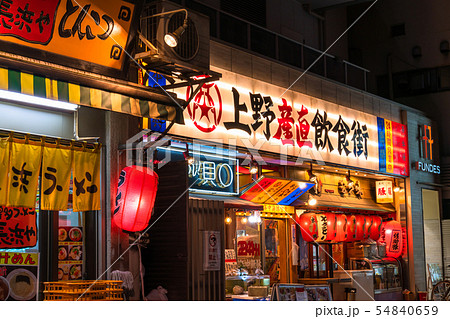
(308, 226)
(351, 228)
(376, 227)
(326, 227)
(391, 235)
(136, 192)
(360, 227)
(341, 228)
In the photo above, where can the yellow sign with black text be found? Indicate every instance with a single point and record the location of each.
(95, 31)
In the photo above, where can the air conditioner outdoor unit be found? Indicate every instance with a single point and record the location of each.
(191, 55)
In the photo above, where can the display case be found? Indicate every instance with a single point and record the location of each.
(387, 276)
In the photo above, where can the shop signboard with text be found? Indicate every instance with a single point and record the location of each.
(244, 112)
(94, 31)
(426, 141)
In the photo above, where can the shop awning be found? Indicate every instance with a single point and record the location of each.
(229, 201)
(349, 202)
(32, 84)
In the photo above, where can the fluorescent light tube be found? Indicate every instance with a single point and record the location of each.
(34, 100)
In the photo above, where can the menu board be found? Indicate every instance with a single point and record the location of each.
(318, 293)
(289, 292)
(70, 253)
(19, 276)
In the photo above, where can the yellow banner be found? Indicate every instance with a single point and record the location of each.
(24, 174)
(86, 180)
(56, 170)
(19, 259)
(278, 209)
(5, 147)
(389, 147)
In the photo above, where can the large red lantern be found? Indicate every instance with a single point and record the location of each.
(376, 227)
(136, 192)
(368, 226)
(360, 227)
(341, 228)
(391, 235)
(351, 228)
(308, 226)
(326, 227)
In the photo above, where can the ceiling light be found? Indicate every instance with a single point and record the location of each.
(244, 220)
(35, 100)
(228, 220)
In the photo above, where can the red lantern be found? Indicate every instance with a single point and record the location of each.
(308, 226)
(341, 228)
(360, 227)
(376, 227)
(368, 226)
(391, 235)
(136, 192)
(326, 227)
(351, 228)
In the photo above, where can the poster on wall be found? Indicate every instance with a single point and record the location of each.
(211, 254)
(18, 228)
(230, 261)
(19, 276)
(70, 253)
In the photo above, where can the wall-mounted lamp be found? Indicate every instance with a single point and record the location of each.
(396, 187)
(253, 169)
(228, 220)
(350, 182)
(190, 159)
(172, 38)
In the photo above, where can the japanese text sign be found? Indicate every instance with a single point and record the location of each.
(250, 113)
(18, 227)
(86, 180)
(19, 274)
(384, 192)
(95, 31)
(213, 174)
(393, 147)
(212, 252)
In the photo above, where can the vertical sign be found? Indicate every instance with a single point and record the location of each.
(384, 192)
(392, 147)
(211, 254)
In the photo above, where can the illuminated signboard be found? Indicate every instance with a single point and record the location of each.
(95, 31)
(209, 173)
(426, 151)
(213, 174)
(273, 190)
(249, 113)
(393, 147)
(384, 191)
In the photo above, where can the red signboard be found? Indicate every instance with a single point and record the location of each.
(400, 148)
(30, 21)
(18, 227)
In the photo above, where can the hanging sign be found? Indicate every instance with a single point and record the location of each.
(24, 174)
(5, 147)
(19, 276)
(211, 252)
(56, 171)
(86, 180)
(384, 192)
(95, 31)
(18, 228)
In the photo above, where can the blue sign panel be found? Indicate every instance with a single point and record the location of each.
(381, 144)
